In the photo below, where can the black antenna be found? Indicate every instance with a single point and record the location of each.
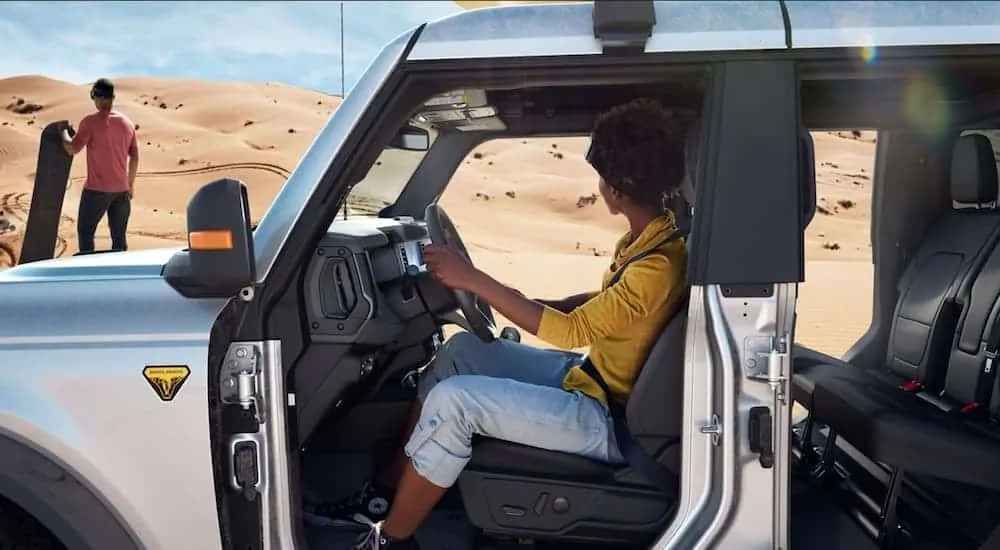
(343, 84)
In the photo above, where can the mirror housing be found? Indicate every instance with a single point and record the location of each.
(219, 259)
(411, 138)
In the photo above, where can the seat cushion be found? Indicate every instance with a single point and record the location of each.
(906, 431)
(810, 366)
(850, 400)
(504, 456)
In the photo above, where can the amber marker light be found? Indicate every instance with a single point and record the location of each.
(211, 239)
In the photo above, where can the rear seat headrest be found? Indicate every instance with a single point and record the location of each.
(973, 170)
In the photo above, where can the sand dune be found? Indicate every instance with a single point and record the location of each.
(526, 208)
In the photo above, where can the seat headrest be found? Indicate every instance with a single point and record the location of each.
(973, 170)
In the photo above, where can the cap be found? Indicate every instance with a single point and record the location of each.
(102, 88)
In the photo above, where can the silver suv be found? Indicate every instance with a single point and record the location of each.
(192, 399)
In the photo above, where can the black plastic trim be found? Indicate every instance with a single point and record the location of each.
(750, 230)
(623, 26)
(428, 181)
(59, 501)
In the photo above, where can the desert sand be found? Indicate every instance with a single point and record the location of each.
(527, 209)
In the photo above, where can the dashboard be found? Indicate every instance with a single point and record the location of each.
(367, 282)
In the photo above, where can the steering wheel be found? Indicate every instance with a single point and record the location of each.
(477, 312)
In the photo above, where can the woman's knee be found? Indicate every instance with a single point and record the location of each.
(453, 399)
(452, 358)
(458, 350)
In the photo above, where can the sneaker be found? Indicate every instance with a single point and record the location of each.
(359, 510)
(375, 539)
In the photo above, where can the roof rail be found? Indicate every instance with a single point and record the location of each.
(623, 26)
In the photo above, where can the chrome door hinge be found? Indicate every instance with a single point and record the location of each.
(777, 367)
(240, 378)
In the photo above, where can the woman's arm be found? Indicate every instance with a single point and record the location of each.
(512, 304)
(568, 304)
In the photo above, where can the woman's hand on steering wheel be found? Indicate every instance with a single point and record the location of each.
(449, 267)
(454, 269)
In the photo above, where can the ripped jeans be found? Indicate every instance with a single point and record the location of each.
(503, 390)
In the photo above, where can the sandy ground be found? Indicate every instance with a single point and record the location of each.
(526, 208)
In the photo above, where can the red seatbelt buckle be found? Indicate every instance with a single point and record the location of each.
(911, 386)
(969, 407)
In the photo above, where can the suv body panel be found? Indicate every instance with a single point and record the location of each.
(60, 370)
(530, 31)
(883, 24)
(72, 388)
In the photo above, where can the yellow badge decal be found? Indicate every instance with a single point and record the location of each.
(166, 381)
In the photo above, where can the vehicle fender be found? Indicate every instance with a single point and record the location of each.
(58, 499)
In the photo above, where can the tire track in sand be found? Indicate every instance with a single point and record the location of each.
(262, 166)
(17, 205)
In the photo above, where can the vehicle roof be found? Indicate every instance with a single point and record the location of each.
(698, 25)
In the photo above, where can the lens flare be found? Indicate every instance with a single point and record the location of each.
(925, 106)
(869, 54)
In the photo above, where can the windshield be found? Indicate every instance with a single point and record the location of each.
(384, 181)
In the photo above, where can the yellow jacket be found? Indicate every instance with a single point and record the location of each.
(621, 323)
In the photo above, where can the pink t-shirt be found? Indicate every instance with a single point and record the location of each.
(110, 140)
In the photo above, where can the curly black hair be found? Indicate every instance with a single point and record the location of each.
(638, 148)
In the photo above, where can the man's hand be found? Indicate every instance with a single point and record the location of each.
(131, 191)
(450, 268)
(67, 141)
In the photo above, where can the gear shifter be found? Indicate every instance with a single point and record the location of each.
(510, 333)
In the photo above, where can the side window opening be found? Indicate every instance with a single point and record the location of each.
(835, 301)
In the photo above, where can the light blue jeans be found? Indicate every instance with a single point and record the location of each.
(503, 390)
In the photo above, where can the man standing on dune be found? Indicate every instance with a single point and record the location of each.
(112, 163)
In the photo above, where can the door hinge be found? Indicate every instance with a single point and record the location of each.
(240, 378)
(777, 368)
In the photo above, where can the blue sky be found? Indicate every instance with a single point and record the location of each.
(297, 43)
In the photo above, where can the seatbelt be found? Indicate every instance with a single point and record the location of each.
(992, 344)
(677, 234)
(985, 385)
(989, 367)
(630, 450)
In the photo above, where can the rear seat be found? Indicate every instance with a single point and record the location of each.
(942, 432)
(933, 287)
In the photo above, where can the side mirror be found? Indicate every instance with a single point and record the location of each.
(219, 259)
(411, 138)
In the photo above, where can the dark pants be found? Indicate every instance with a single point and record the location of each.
(93, 205)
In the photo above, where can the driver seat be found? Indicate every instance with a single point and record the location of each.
(520, 491)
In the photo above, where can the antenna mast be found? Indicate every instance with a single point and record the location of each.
(343, 84)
